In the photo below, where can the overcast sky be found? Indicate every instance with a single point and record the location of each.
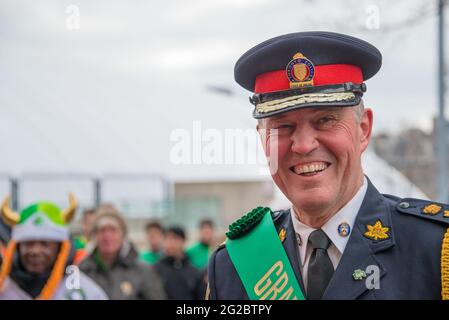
(107, 96)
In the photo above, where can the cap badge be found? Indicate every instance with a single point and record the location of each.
(300, 71)
(38, 221)
(377, 231)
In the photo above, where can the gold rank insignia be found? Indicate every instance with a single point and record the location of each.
(446, 214)
(431, 209)
(282, 234)
(377, 231)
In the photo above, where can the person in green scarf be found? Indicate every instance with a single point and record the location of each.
(199, 252)
(155, 236)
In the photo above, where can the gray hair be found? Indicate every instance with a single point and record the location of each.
(358, 111)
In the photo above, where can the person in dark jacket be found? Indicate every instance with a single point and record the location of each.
(155, 239)
(114, 262)
(341, 239)
(182, 281)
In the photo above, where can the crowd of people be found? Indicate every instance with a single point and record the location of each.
(109, 264)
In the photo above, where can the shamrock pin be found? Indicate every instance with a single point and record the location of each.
(38, 221)
(359, 274)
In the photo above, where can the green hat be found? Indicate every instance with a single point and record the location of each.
(39, 221)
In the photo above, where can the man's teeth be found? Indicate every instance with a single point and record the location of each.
(310, 168)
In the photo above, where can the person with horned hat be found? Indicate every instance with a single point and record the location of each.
(37, 262)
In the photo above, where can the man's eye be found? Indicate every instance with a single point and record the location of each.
(284, 126)
(280, 129)
(325, 120)
(284, 129)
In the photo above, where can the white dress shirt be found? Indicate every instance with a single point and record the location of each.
(346, 214)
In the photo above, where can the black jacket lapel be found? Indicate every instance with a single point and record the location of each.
(360, 251)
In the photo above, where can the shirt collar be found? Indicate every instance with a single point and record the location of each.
(346, 214)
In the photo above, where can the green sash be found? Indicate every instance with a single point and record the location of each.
(263, 265)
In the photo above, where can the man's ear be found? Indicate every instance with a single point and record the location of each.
(366, 126)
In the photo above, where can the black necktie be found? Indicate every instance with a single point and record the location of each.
(320, 268)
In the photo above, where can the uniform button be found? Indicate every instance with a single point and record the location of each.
(404, 205)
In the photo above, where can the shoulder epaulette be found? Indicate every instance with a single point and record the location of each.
(424, 209)
(247, 222)
(436, 212)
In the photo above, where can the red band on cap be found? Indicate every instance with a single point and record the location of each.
(324, 75)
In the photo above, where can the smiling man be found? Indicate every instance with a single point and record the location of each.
(341, 239)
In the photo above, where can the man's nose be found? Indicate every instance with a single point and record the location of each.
(33, 249)
(304, 140)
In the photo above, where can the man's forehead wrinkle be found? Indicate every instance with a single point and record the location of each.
(327, 109)
(277, 117)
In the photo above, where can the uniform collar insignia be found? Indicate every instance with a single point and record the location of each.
(377, 231)
(282, 234)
